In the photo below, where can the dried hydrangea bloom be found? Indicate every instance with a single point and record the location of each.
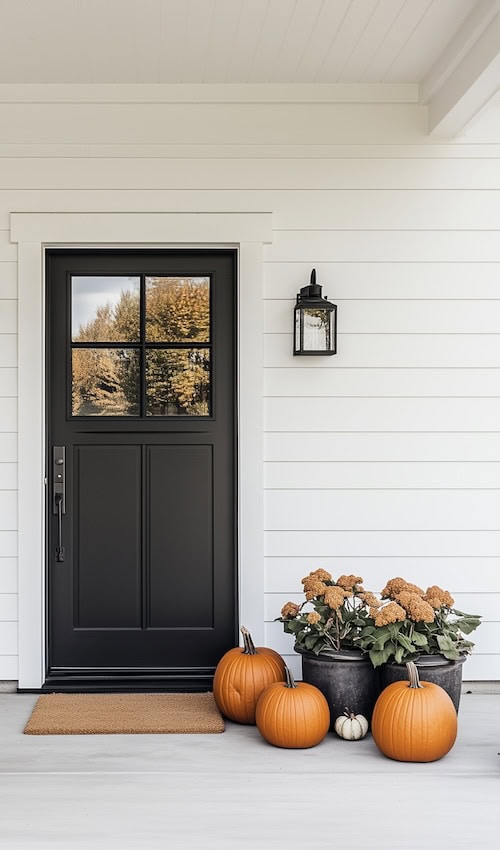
(370, 599)
(438, 598)
(373, 612)
(417, 609)
(334, 597)
(395, 585)
(313, 618)
(322, 575)
(391, 613)
(348, 582)
(290, 609)
(313, 587)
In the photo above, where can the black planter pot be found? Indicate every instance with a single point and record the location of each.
(346, 678)
(431, 668)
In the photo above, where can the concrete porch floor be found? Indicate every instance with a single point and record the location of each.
(235, 791)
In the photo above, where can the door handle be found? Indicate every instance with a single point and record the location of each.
(58, 479)
(59, 494)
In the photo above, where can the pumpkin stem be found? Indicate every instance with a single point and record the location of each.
(413, 675)
(290, 681)
(248, 644)
(350, 714)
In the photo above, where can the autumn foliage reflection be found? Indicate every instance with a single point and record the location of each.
(107, 380)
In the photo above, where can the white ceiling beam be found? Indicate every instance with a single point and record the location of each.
(467, 75)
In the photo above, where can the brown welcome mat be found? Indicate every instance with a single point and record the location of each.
(124, 714)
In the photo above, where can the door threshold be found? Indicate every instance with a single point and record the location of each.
(176, 681)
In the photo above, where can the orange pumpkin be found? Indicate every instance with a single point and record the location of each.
(414, 721)
(292, 715)
(241, 676)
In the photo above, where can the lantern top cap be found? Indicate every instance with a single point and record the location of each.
(311, 294)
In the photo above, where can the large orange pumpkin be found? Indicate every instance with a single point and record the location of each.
(241, 676)
(414, 721)
(292, 715)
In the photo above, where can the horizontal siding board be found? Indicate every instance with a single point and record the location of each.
(8, 476)
(457, 149)
(8, 510)
(284, 574)
(386, 209)
(390, 382)
(481, 666)
(8, 448)
(441, 351)
(8, 381)
(8, 316)
(8, 607)
(284, 173)
(8, 271)
(8, 413)
(232, 123)
(382, 414)
(305, 208)
(8, 638)
(8, 575)
(8, 350)
(383, 245)
(453, 543)
(417, 474)
(378, 446)
(9, 667)
(8, 251)
(383, 509)
(391, 316)
(392, 280)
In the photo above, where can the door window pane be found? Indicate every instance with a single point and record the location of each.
(105, 309)
(105, 382)
(178, 382)
(178, 309)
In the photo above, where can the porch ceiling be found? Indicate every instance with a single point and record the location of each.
(448, 49)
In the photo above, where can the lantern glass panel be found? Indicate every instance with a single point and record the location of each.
(316, 329)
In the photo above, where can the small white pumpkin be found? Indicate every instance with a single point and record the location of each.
(351, 726)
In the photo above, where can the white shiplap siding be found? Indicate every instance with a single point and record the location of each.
(383, 460)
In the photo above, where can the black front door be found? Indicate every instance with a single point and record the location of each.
(141, 504)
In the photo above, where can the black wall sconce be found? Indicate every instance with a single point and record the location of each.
(315, 321)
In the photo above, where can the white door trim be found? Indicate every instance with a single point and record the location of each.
(34, 232)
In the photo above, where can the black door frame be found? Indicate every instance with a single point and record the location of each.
(146, 679)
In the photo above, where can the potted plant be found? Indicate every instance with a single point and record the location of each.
(410, 624)
(326, 628)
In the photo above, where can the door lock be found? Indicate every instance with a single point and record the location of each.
(59, 479)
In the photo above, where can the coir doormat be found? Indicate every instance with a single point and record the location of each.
(124, 714)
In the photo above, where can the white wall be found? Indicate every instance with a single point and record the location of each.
(383, 460)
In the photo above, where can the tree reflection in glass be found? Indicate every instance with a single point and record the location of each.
(178, 309)
(178, 382)
(105, 382)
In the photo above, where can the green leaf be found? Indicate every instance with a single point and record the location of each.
(310, 641)
(380, 656)
(418, 639)
(398, 655)
(445, 643)
(405, 642)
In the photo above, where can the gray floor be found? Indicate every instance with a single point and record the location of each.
(235, 791)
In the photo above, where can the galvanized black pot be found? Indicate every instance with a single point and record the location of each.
(431, 668)
(346, 678)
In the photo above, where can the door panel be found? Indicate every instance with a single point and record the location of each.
(141, 392)
(181, 521)
(107, 537)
